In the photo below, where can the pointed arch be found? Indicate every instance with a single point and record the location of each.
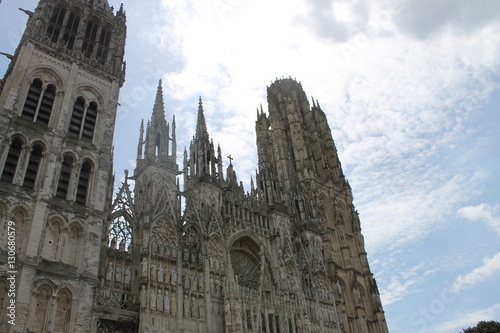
(120, 233)
(72, 244)
(56, 23)
(19, 216)
(191, 245)
(41, 306)
(65, 174)
(34, 163)
(62, 318)
(71, 28)
(51, 240)
(90, 36)
(10, 167)
(83, 186)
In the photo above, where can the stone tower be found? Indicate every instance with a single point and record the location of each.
(58, 103)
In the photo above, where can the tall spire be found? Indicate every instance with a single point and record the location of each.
(158, 119)
(201, 125)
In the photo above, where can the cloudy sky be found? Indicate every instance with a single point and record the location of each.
(411, 90)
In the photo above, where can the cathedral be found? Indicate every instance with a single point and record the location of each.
(181, 246)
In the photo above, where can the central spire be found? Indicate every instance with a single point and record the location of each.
(158, 118)
(201, 125)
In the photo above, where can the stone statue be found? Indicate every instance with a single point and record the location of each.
(144, 265)
(173, 277)
(109, 272)
(160, 273)
(144, 299)
(227, 312)
(173, 305)
(127, 276)
(159, 301)
(166, 302)
(152, 300)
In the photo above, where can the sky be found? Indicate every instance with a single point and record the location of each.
(411, 90)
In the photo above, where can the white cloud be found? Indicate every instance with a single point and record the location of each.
(482, 212)
(490, 268)
(466, 319)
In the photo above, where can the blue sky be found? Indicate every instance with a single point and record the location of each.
(411, 91)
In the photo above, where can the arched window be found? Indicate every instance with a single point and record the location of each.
(102, 50)
(83, 183)
(89, 38)
(12, 160)
(83, 121)
(31, 103)
(89, 123)
(56, 23)
(63, 311)
(37, 109)
(42, 304)
(33, 165)
(120, 232)
(65, 176)
(71, 30)
(71, 246)
(77, 117)
(19, 220)
(51, 241)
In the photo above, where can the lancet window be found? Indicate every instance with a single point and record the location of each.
(90, 38)
(33, 167)
(82, 190)
(71, 30)
(12, 159)
(65, 176)
(103, 48)
(56, 23)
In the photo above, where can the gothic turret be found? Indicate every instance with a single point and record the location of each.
(203, 163)
(159, 145)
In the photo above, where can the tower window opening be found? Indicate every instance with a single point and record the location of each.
(56, 23)
(77, 117)
(71, 30)
(65, 176)
(46, 104)
(104, 41)
(37, 109)
(89, 123)
(12, 160)
(83, 183)
(89, 39)
(31, 103)
(33, 166)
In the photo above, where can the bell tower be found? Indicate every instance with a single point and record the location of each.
(58, 104)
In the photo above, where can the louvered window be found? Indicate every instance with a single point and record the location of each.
(12, 160)
(37, 109)
(83, 120)
(33, 166)
(77, 117)
(31, 103)
(83, 183)
(64, 177)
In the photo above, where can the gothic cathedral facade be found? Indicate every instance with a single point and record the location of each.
(176, 249)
